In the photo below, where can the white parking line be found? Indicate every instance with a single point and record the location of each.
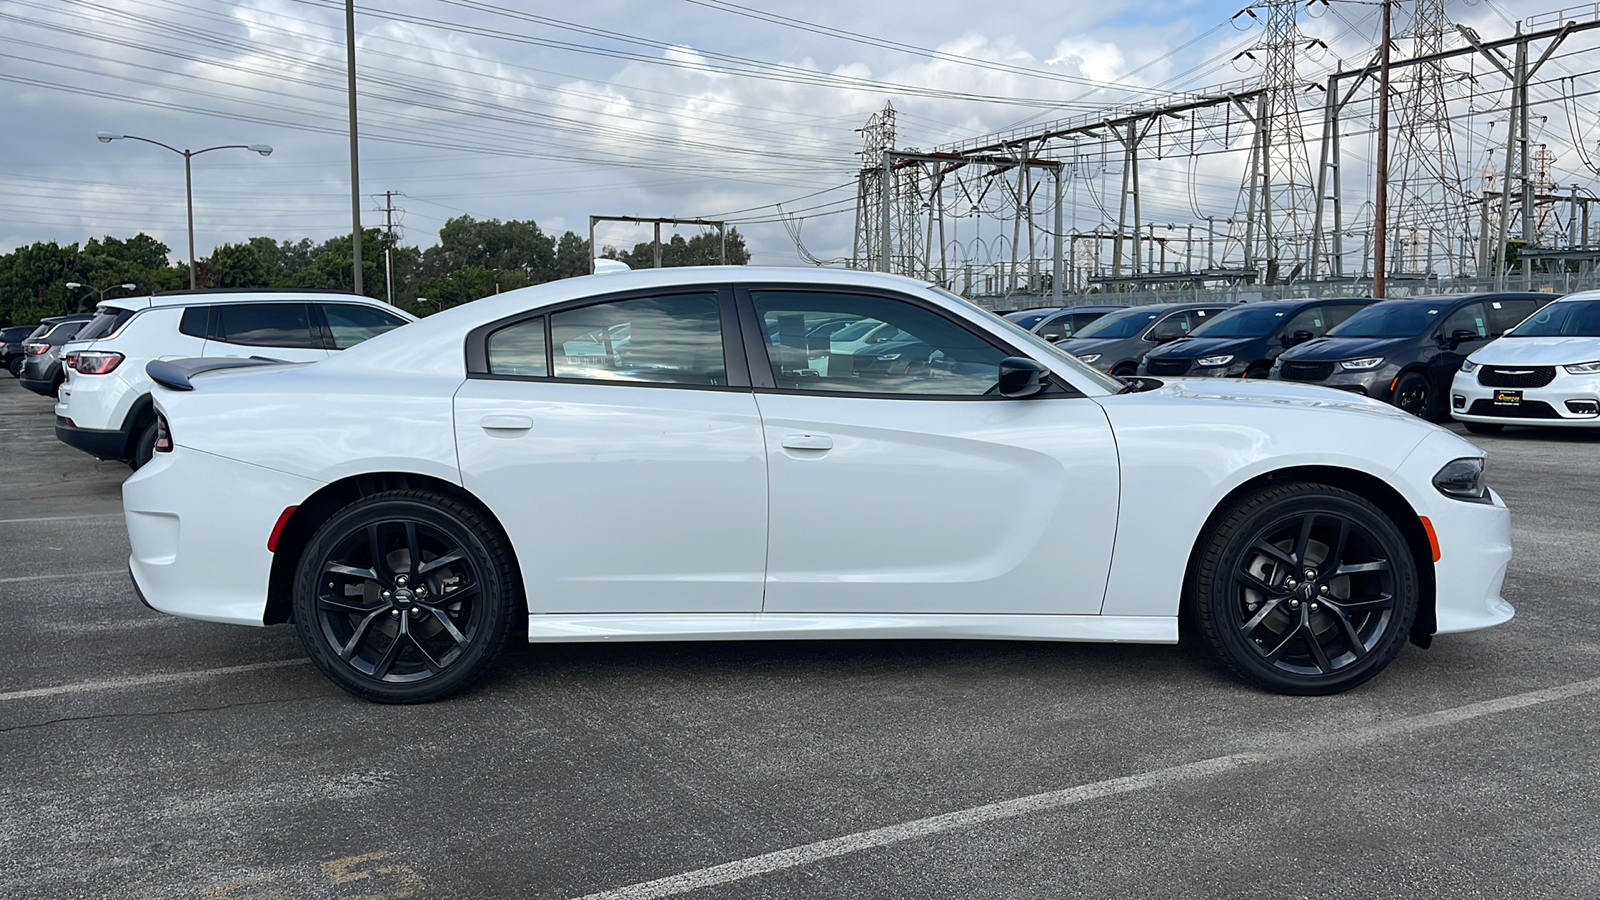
(113, 684)
(98, 574)
(62, 518)
(750, 867)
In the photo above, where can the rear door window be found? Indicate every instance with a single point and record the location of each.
(1505, 315)
(196, 322)
(266, 325)
(350, 324)
(108, 321)
(1334, 315)
(1472, 318)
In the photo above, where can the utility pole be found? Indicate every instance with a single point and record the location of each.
(1381, 218)
(355, 163)
(388, 252)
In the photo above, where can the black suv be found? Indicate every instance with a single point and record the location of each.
(1405, 351)
(1117, 341)
(11, 346)
(1245, 340)
(1056, 323)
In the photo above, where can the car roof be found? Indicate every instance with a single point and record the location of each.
(211, 296)
(1439, 299)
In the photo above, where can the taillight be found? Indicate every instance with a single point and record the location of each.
(163, 436)
(94, 362)
(35, 349)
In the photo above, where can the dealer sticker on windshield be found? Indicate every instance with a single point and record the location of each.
(1507, 398)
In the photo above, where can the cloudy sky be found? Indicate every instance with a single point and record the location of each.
(555, 112)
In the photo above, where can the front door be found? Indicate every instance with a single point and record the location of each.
(900, 482)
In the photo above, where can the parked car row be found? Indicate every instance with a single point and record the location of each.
(94, 364)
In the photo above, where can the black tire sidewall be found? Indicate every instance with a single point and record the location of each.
(1430, 396)
(1217, 605)
(464, 526)
(144, 446)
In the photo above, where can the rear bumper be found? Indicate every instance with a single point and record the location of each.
(44, 388)
(103, 444)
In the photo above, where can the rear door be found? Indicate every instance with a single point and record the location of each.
(283, 330)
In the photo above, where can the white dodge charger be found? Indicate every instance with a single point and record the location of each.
(684, 454)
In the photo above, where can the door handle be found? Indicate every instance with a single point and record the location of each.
(506, 423)
(807, 442)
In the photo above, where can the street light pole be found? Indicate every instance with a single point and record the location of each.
(130, 286)
(106, 137)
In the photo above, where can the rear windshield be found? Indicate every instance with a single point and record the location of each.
(1246, 322)
(1120, 324)
(1392, 320)
(1028, 319)
(105, 322)
(1576, 318)
(65, 331)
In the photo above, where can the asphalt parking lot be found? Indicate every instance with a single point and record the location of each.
(153, 757)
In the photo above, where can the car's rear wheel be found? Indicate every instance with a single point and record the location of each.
(144, 446)
(404, 597)
(1304, 589)
(1484, 427)
(1414, 393)
(16, 366)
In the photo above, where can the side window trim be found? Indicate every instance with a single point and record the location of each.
(319, 326)
(476, 346)
(761, 364)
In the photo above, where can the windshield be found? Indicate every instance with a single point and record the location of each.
(64, 332)
(1245, 322)
(1391, 320)
(1028, 319)
(1120, 324)
(1578, 318)
(1043, 348)
(854, 332)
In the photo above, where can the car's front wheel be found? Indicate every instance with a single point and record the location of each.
(1304, 589)
(1414, 393)
(405, 597)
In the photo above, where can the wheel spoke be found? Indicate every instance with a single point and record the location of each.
(1318, 652)
(343, 605)
(1268, 549)
(360, 634)
(1255, 620)
(341, 569)
(1304, 540)
(1255, 583)
(1381, 565)
(1353, 637)
(382, 667)
(1336, 553)
(380, 559)
(449, 626)
(439, 562)
(413, 548)
(1382, 601)
(456, 596)
(1273, 654)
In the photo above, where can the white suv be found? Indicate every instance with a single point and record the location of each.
(104, 408)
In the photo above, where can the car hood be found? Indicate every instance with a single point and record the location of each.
(1196, 347)
(1081, 346)
(1336, 348)
(1541, 351)
(1283, 394)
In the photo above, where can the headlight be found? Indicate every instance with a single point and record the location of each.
(1462, 479)
(1214, 360)
(1588, 368)
(1371, 362)
(1469, 367)
(1088, 357)
(889, 356)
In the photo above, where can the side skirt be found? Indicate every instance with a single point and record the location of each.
(791, 626)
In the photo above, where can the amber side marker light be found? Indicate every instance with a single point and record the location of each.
(1433, 536)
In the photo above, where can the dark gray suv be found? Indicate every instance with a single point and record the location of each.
(41, 366)
(1117, 341)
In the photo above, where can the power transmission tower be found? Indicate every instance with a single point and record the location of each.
(388, 251)
(873, 184)
(1282, 172)
(1425, 183)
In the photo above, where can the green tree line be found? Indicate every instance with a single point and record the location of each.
(474, 258)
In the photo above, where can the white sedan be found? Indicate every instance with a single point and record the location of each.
(497, 467)
(1544, 372)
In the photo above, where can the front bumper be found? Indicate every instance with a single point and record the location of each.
(1374, 383)
(1563, 403)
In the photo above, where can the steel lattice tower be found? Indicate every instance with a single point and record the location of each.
(1428, 204)
(877, 138)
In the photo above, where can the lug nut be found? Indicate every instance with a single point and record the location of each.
(395, 613)
(1323, 589)
(1310, 574)
(401, 579)
(386, 595)
(1313, 607)
(1294, 604)
(1290, 583)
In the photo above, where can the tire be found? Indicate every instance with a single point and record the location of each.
(1125, 370)
(1258, 373)
(1415, 394)
(1484, 427)
(144, 446)
(16, 366)
(388, 629)
(1249, 595)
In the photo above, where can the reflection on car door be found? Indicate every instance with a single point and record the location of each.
(628, 473)
(903, 485)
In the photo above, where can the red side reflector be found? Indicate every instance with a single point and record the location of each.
(1433, 537)
(283, 519)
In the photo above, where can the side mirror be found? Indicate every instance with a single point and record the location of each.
(1165, 338)
(1020, 377)
(1055, 338)
(1458, 337)
(1300, 337)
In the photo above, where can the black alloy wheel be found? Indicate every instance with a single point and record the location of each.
(1484, 427)
(1304, 589)
(16, 366)
(1414, 393)
(404, 597)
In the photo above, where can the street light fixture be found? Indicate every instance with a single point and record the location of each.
(130, 286)
(106, 137)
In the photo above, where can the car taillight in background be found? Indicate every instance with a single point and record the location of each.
(33, 349)
(94, 362)
(163, 436)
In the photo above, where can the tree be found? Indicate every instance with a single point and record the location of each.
(701, 250)
(572, 256)
(238, 266)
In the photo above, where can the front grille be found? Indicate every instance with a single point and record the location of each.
(1305, 371)
(1516, 376)
(1166, 366)
(1527, 409)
